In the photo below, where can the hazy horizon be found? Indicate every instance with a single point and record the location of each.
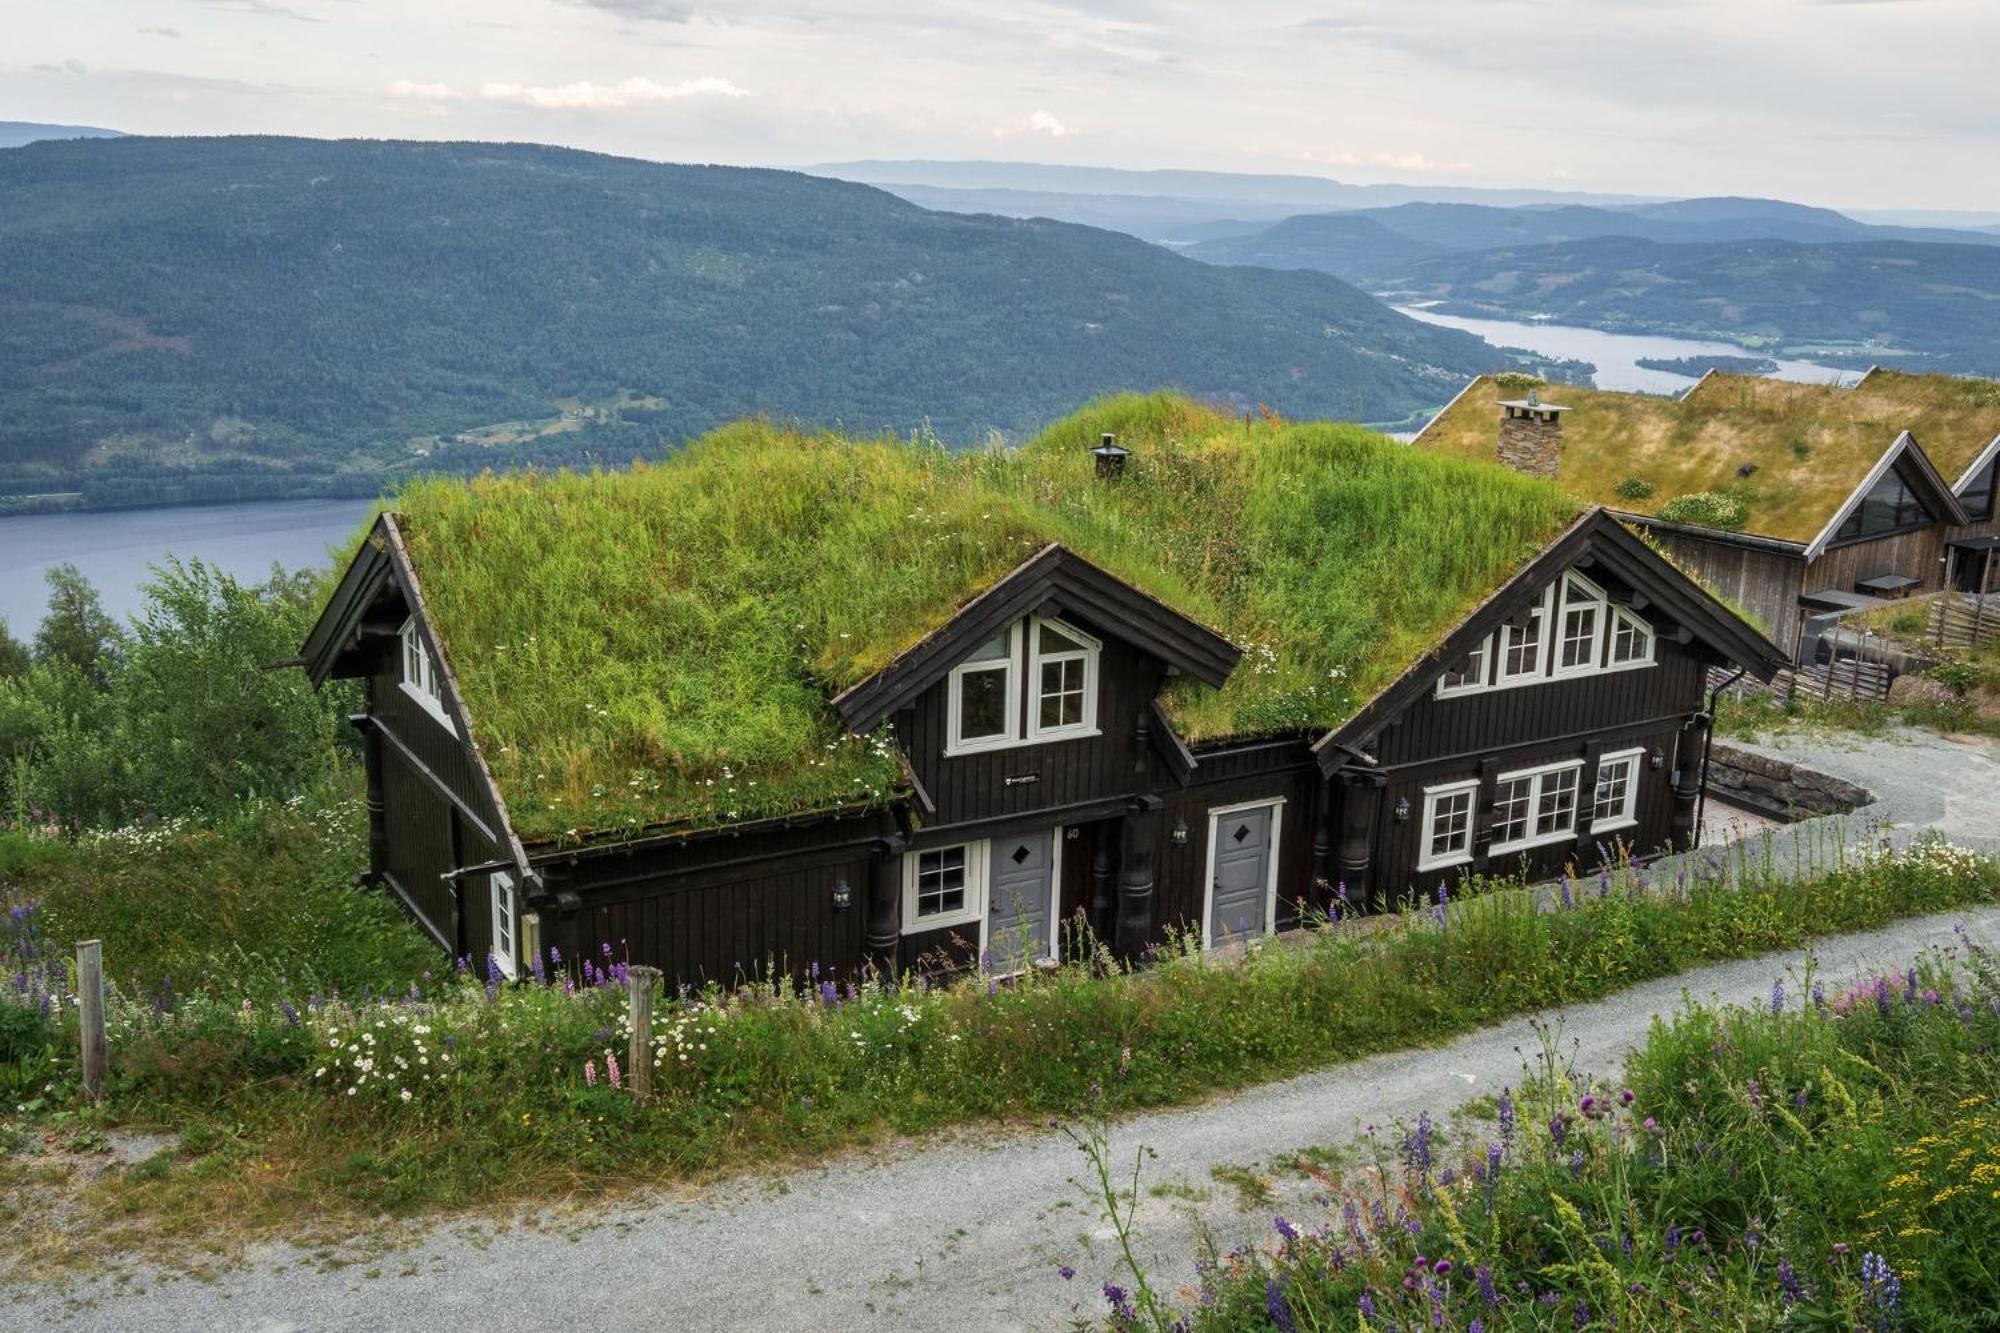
(1875, 104)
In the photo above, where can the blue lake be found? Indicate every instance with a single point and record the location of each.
(115, 547)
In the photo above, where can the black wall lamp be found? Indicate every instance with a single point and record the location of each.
(1402, 810)
(1179, 836)
(843, 895)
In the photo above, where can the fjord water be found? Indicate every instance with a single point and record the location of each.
(1616, 354)
(115, 547)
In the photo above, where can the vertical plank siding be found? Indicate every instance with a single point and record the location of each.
(1765, 583)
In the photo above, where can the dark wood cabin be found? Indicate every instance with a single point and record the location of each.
(1851, 497)
(1564, 717)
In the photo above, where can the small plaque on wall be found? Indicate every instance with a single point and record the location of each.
(1022, 779)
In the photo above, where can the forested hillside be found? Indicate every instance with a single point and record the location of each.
(201, 318)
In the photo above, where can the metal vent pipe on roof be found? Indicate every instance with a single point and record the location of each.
(1110, 456)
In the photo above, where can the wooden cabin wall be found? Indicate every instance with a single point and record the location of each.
(1918, 553)
(1062, 773)
(1229, 777)
(1766, 583)
(1448, 740)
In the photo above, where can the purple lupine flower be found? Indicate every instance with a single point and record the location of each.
(1351, 1215)
(1568, 898)
(1506, 1115)
(1788, 1283)
(291, 1014)
(1582, 1313)
(1477, 1325)
(1285, 1229)
(1604, 882)
(829, 994)
(1881, 1287)
(1483, 1275)
(1274, 1301)
(1366, 1305)
(1672, 1244)
(1494, 1153)
(1443, 901)
(1559, 1128)
(1417, 1146)
(464, 964)
(1576, 1165)
(1778, 996)
(535, 966)
(1066, 1272)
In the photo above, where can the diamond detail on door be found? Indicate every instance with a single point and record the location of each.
(1242, 832)
(1021, 854)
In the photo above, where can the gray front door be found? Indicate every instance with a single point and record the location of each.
(1241, 887)
(1017, 922)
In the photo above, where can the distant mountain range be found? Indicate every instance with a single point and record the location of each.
(208, 318)
(14, 133)
(1767, 274)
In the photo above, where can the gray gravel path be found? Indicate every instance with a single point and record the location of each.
(966, 1233)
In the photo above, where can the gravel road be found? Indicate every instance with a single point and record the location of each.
(967, 1232)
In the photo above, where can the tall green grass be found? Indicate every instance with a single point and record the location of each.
(659, 645)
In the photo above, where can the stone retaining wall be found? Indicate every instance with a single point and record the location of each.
(1778, 787)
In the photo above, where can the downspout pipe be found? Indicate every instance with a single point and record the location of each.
(1707, 746)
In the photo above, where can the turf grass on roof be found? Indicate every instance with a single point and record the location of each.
(657, 647)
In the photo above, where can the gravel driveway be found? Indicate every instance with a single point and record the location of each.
(967, 1232)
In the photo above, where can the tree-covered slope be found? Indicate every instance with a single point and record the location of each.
(183, 317)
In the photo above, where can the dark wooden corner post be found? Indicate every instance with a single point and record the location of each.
(378, 806)
(1103, 884)
(884, 932)
(1360, 802)
(1690, 759)
(1321, 885)
(1138, 836)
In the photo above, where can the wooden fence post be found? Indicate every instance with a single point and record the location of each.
(90, 1014)
(639, 1066)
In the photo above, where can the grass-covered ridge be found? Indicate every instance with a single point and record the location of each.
(659, 646)
(1810, 444)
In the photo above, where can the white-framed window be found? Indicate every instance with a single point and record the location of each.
(1584, 608)
(985, 694)
(1522, 650)
(419, 671)
(1447, 826)
(1615, 803)
(1468, 674)
(1536, 806)
(1062, 663)
(1631, 641)
(506, 939)
(944, 886)
(1034, 681)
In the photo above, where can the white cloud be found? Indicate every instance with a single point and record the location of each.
(424, 92)
(608, 96)
(1380, 158)
(1041, 122)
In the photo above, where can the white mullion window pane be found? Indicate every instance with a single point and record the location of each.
(1468, 673)
(1614, 799)
(1450, 824)
(1579, 641)
(1062, 692)
(1512, 801)
(982, 703)
(941, 882)
(1555, 807)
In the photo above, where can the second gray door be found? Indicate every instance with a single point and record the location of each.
(1242, 867)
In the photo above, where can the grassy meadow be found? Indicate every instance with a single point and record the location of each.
(1826, 1160)
(382, 1082)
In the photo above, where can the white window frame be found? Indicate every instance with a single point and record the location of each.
(1484, 651)
(504, 922)
(1592, 600)
(1623, 619)
(974, 908)
(1536, 776)
(417, 671)
(1087, 654)
(1011, 734)
(1433, 798)
(1503, 644)
(1634, 764)
(1216, 814)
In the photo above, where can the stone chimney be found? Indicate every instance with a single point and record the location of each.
(1531, 435)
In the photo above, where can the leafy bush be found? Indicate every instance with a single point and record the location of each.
(1514, 381)
(1634, 488)
(1819, 1161)
(1708, 509)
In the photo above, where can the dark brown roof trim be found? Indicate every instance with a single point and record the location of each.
(1051, 575)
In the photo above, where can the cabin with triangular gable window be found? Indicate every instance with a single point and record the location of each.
(791, 699)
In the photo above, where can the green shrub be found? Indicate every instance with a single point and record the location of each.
(1634, 488)
(1708, 509)
(1515, 381)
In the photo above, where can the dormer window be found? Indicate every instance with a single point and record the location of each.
(1036, 680)
(1584, 609)
(1521, 645)
(1573, 629)
(1065, 675)
(419, 672)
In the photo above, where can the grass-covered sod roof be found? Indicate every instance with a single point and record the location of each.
(1810, 445)
(659, 646)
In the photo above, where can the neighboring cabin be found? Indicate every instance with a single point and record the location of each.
(792, 699)
(1806, 498)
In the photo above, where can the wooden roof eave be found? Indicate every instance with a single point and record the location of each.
(1977, 465)
(1596, 532)
(337, 632)
(1052, 575)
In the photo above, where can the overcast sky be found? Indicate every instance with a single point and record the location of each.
(1867, 103)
